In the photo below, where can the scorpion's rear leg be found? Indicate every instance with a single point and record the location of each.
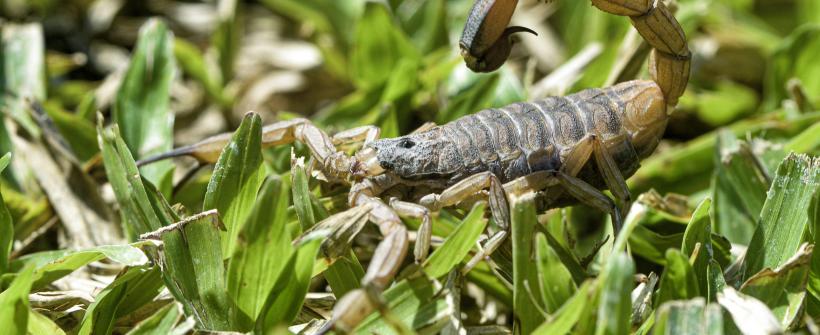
(592, 146)
(590, 196)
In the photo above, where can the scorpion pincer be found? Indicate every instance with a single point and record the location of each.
(565, 150)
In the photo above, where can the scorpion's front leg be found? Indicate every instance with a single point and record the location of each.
(389, 254)
(363, 134)
(351, 309)
(485, 43)
(466, 189)
(322, 147)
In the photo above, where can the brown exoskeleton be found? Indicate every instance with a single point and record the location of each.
(565, 149)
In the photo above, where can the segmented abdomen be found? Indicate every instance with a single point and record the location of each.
(522, 138)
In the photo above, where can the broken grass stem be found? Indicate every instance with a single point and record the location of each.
(157, 234)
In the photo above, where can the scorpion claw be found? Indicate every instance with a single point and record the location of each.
(366, 163)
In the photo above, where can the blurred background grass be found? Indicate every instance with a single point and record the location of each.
(170, 73)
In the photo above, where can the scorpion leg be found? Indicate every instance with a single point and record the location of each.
(321, 146)
(589, 195)
(611, 173)
(425, 232)
(592, 146)
(352, 308)
(363, 134)
(466, 188)
(486, 250)
(425, 127)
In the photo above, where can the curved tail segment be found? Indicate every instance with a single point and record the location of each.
(485, 43)
(670, 59)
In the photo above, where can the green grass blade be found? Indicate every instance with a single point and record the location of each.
(557, 284)
(22, 76)
(24, 73)
(226, 38)
(475, 97)
(739, 189)
(41, 324)
(565, 318)
(14, 308)
(808, 141)
(6, 225)
(252, 271)
(458, 244)
(64, 265)
(301, 195)
(678, 281)
(78, 131)
(788, 62)
(237, 176)
(126, 182)
(687, 168)
(192, 62)
(141, 108)
(100, 316)
(615, 305)
(783, 289)
(159, 323)
(652, 227)
(288, 294)
(716, 280)
(53, 265)
(375, 56)
(345, 274)
(195, 274)
(783, 220)
(698, 236)
(814, 274)
(689, 317)
(484, 277)
(199, 285)
(567, 258)
(523, 237)
(412, 301)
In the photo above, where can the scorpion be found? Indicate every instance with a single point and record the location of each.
(565, 150)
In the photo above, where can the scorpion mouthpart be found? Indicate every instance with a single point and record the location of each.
(367, 163)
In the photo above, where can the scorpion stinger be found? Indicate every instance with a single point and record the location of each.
(486, 40)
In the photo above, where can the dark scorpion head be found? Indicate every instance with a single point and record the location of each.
(427, 155)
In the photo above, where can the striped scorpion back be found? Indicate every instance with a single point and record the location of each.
(518, 139)
(522, 138)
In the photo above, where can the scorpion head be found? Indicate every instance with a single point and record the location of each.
(426, 155)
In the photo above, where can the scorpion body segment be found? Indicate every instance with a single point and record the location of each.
(523, 138)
